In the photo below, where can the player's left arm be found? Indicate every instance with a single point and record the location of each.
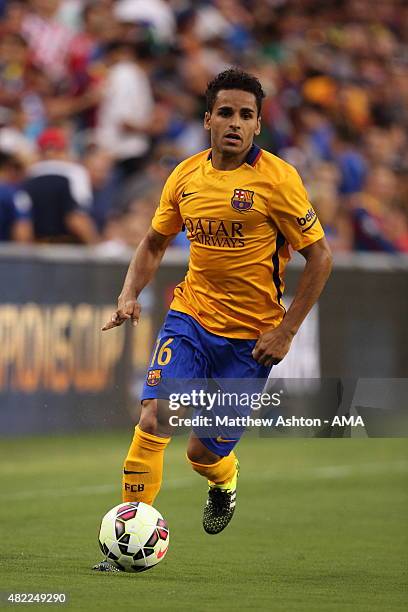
(273, 345)
(295, 218)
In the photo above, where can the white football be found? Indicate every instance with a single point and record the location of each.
(134, 536)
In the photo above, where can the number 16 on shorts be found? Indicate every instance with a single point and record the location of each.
(162, 355)
(162, 352)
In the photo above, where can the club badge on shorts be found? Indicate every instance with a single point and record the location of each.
(242, 200)
(153, 377)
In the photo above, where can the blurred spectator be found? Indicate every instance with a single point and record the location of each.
(86, 64)
(14, 76)
(323, 189)
(319, 130)
(69, 13)
(126, 110)
(49, 40)
(132, 226)
(136, 202)
(351, 163)
(60, 193)
(373, 212)
(14, 60)
(12, 137)
(129, 75)
(155, 13)
(15, 205)
(396, 228)
(14, 13)
(98, 163)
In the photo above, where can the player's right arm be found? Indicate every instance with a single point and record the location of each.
(141, 270)
(166, 223)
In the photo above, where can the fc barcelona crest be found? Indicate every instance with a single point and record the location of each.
(242, 200)
(153, 377)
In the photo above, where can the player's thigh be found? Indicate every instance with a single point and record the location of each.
(232, 358)
(176, 358)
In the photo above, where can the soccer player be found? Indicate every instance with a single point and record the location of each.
(241, 207)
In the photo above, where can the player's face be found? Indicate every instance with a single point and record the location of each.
(233, 121)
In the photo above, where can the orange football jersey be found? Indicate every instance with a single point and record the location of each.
(240, 224)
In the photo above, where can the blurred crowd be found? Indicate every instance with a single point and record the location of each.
(100, 99)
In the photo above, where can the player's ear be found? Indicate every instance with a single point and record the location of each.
(258, 127)
(207, 118)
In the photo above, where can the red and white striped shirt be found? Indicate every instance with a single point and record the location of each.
(49, 42)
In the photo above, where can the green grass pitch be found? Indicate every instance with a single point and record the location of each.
(321, 525)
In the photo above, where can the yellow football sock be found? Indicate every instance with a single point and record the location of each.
(217, 473)
(143, 467)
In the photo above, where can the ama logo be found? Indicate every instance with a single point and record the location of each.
(307, 221)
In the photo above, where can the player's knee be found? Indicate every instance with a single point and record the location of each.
(148, 421)
(198, 453)
(194, 456)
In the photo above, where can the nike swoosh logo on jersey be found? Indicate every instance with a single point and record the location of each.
(185, 195)
(128, 472)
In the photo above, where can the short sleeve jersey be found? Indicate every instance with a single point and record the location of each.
(240, 224)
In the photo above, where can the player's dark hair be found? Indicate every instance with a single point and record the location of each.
(234, 79)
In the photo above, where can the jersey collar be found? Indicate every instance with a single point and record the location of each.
(252, 157)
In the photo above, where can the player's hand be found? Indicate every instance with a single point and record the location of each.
(127, 309)
(272, 346)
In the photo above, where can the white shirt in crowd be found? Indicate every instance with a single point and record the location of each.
(78, 178)
(127, 98)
